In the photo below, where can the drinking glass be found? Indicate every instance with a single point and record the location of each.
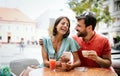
(52, 62)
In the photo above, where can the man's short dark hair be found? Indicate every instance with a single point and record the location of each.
(90, 19)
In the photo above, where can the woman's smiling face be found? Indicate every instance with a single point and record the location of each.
(63, 26)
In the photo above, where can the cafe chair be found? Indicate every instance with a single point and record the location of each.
(17, 66)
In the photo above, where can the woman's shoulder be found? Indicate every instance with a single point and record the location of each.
(46, 37)
(69, 38)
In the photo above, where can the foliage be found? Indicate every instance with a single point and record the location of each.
(98, 6)
(118, 38)
(5, 71)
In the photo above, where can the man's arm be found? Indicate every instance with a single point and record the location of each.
(105, 61)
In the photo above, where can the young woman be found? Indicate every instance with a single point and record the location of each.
(58, 44)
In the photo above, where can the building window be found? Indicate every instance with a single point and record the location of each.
(0, 37)
(117, 5)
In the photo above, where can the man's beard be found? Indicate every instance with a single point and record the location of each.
(82, 34)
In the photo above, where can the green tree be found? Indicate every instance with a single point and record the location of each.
(97, 6)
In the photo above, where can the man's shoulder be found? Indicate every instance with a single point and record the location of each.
(102, 37)
(75, 37)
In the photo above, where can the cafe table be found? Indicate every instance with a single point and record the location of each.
(79, 71)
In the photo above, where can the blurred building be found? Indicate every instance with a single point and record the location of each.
(15, 25)
(48, 17)
(114, 6)
(113, 30)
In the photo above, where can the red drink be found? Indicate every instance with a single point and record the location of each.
(52, 64)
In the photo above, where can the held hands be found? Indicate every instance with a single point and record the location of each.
(64, 59)
(66, 65)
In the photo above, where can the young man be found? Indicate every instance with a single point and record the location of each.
(97, 46)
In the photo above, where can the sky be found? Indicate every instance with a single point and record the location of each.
(33, 8)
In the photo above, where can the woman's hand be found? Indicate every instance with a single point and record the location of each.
(64, 59)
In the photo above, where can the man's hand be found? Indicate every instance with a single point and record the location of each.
(92, 55)
(67, 66)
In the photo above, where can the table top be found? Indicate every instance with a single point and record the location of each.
(79, 71)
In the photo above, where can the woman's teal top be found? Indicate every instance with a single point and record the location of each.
(68, 45)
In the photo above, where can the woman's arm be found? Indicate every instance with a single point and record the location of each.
(45, 57)
(44, 53)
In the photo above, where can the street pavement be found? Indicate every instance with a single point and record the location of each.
(9, 52)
